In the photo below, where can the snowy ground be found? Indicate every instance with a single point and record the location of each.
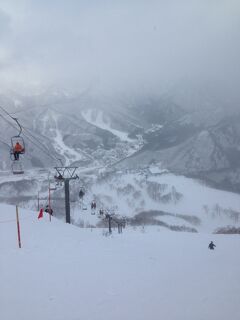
(64, 272)
(129, 193)
(68, 153)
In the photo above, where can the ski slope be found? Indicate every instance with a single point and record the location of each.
(64, 272)
(104, 124)
(130, 193)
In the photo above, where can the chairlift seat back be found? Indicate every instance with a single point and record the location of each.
(20, 140)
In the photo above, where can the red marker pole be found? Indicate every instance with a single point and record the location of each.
(18, 228)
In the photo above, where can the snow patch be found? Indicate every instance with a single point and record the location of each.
(104, 124)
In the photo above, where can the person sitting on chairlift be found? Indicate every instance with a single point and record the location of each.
(48, 210)
(81, 194)
(93, 205)
(17, 150)
(59, 177)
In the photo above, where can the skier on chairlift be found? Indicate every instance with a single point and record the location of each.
(17, 150)
(48, 210)
(81, 193)
(59, 177)
(93, 205)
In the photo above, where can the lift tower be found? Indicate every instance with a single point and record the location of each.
(66, 174)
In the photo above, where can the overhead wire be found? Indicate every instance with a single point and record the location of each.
(4, 118)
(27, 137)
(3, 142)
(41, 143)
(43, 149)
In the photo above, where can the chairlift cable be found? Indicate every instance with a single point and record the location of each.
(39, 141)
(15, 119)
(20, 127)
(20, 132)
(24, 134)
(8, 122)
(3, 142)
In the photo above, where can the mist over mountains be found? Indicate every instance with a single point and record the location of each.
(123, 131)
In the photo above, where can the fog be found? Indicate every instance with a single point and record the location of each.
(113, 46)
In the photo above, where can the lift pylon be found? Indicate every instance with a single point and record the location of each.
(66, 174)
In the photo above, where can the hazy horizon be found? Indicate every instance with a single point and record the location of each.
(137, 46)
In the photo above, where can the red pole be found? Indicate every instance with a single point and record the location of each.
(18, 228)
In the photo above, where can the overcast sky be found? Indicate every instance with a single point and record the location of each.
(119, 45)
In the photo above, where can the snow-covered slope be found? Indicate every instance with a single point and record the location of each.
(98, 120)
(63, 272)
(145, 196)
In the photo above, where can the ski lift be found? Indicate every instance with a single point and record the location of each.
(48, 210)
(58, 184)
(82, 205)
(93, 207)
(17, 167)
(17, 148)
(101, 213)
(81, 196)
(59, 178)
(81, 193)
(18, 140)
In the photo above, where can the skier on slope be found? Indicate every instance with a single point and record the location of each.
(211, 245)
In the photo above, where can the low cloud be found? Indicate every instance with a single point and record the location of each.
(113, 46)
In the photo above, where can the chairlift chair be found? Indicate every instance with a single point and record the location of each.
(82, 205)
(17, 167)
(81, 193)
(58, 184)
(59, 178)
(20, 140)
(93, 207)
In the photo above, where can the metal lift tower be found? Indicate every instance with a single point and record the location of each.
(66, 174)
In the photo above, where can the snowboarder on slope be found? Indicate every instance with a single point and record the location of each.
(211, 245)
